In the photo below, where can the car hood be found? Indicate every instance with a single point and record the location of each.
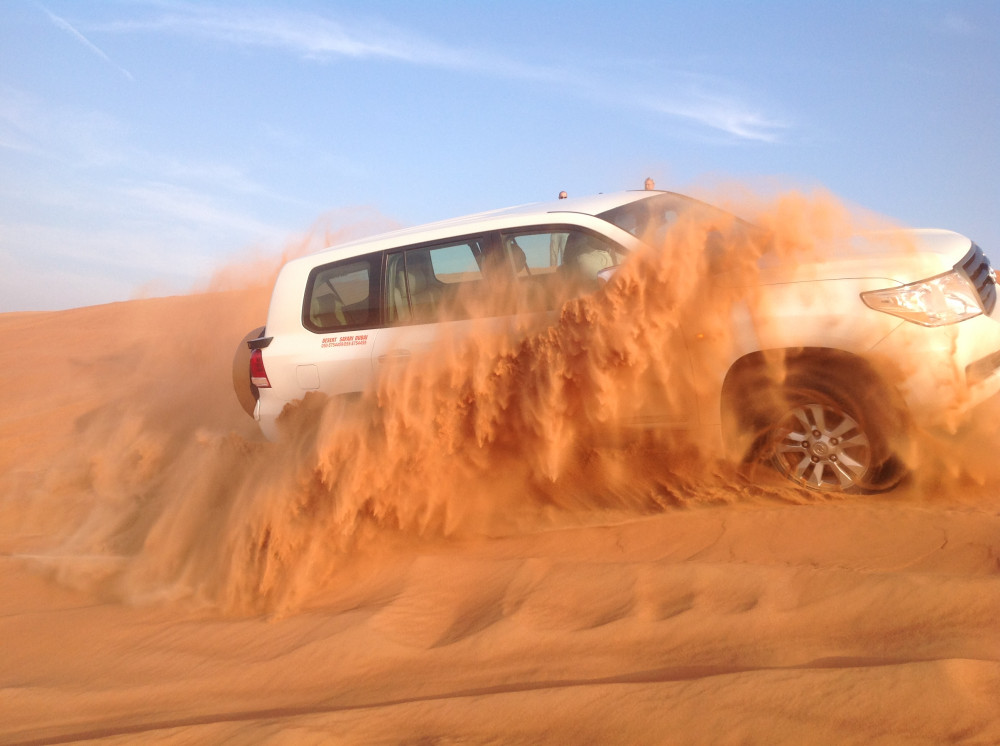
(900, 256)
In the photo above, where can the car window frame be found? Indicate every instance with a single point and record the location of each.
(526, 230)
(489, 240)
(375, 272)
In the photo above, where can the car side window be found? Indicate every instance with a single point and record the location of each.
(431, 283)
(555, 264)
(342, 295)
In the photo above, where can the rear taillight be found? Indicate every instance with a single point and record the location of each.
(258, 376)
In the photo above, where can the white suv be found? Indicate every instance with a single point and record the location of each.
(338, 316)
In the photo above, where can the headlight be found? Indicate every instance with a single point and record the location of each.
(945, 299)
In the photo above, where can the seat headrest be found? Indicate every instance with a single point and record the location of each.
(518, 257)
(416, 280)
(586, 254)
(592, 262)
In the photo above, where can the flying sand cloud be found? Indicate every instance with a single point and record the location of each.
(322, 39)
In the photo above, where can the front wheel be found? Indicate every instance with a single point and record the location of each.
(821, 446)
(824, 422)
(833, 442)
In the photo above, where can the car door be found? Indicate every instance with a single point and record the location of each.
(342, 309)
(556, 263)
(437, 294)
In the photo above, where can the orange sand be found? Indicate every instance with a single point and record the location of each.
(167, 577)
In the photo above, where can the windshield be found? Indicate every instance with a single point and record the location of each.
(649, 219)
(729, 238)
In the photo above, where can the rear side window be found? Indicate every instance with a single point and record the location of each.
(343, 295)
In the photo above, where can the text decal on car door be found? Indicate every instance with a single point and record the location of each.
(345, 340)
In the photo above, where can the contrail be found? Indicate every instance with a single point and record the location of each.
(66, 26)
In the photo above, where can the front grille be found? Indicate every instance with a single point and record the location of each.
(976, 266)
(982, 368)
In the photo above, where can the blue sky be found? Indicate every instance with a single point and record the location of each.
(144, 144)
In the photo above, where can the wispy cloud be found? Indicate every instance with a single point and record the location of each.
(66, 26)
(92, 141)
(306, 35)
(722, 113)
(16, 118)
(84, 137)
(323, 39)
(192, 207)
(110, 238)
(959, 25)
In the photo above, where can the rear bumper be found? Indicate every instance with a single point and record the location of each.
(266, 414)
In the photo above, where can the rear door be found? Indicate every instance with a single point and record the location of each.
(342, 309)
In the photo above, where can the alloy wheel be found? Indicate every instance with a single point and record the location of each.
(822, 447)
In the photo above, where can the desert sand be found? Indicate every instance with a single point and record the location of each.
(166, 576)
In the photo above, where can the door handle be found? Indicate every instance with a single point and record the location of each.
(394, 357)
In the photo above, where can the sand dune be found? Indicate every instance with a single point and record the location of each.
(168, 577)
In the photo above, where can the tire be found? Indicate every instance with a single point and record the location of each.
(827, 427)
(826, 443)
(246, 392)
